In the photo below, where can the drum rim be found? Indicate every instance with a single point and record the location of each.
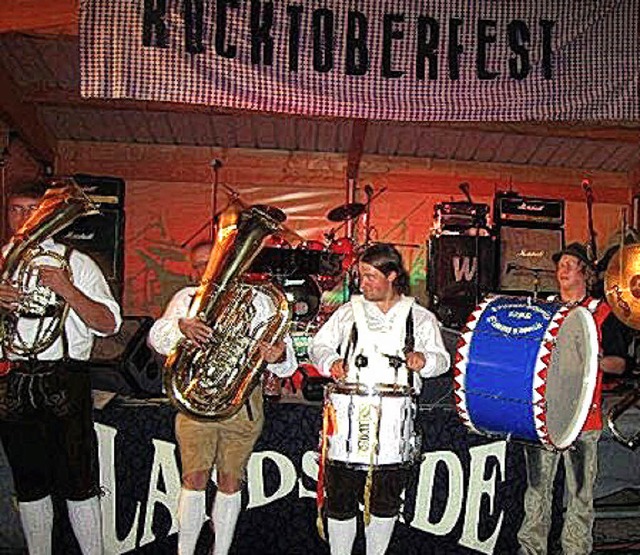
(589, 382)
(365, 390)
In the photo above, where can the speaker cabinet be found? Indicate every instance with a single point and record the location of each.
(525, 263)
(101, 236)
(460, 273)
(124, 363)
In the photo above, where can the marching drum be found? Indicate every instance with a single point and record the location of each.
(373, 426)
(527, 370)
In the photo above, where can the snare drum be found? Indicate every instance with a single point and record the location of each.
(374, 426)
(527, 369)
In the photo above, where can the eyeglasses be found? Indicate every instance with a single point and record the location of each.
(22, 210)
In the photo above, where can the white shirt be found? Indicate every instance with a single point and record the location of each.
(384, 335)
(165, 332)
(87, 276)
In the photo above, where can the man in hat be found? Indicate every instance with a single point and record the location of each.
(575, 274)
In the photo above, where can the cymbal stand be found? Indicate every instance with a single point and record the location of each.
(368, 190)
(233, 197)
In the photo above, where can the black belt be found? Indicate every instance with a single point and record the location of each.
(46, 366)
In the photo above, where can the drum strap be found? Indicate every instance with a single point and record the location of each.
(409, 343)
(353, 340)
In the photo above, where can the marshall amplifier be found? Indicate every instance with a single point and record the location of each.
(516, 210)
(459, 216)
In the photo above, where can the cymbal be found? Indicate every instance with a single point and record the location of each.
(272, 211)
(622, 285)
(345, 212)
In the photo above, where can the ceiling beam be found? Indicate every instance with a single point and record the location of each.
(358, 134)
(596, 131)
(38, 16)
(24, 119)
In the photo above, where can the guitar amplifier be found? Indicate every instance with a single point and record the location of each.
(515, 210)
(460, 216)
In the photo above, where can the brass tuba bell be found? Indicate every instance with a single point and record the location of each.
(60, 206)
(214, 382)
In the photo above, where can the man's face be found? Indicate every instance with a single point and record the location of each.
(375, 286)
(18, 210)
(199, 260)
(570, 272)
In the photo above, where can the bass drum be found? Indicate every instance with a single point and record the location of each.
(527, 370)
(303, 295)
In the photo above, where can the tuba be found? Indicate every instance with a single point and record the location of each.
(59, 207)
(213, 382)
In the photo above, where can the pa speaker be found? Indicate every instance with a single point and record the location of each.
(525, 263)
(460, 273)
(124, 363)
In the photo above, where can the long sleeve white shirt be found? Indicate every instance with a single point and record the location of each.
(380, 339)
(165, 332)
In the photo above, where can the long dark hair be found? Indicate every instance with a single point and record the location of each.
(386, 258)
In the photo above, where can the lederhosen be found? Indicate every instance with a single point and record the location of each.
(46, 425)
(345, 486)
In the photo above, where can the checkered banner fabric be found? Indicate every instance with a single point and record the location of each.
(397, 60)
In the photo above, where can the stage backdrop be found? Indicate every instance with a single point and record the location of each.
(394, 59)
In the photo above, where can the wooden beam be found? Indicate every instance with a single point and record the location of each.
(358, 134)
(38, 16)
(612, 131)
(25, 120)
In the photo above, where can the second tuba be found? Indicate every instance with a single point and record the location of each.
(215, 381)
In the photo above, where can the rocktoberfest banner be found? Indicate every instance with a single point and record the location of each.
(399, 60)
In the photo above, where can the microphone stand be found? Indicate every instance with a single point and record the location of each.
(215, 165)
(367, 214)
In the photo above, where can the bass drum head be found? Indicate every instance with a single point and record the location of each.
(571, 378)
(303, 295)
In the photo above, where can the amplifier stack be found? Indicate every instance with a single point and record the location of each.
(528, 230)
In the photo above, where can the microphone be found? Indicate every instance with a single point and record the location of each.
(464, 187)
(368, 190)
(216, 163)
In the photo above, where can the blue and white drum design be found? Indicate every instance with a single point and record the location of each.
(527, 370)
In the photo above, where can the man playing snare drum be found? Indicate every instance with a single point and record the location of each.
(379, 341)
(574, 272)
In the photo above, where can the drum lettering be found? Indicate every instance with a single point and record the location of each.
(495, 324)
(518, 314)
(527, 330)
(364, 423)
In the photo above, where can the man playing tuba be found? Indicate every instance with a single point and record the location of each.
(226, 443)
(46, 420)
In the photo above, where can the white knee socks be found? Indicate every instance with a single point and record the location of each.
(226, 509)
(37, 524)
(378, 534)
(86, 520)
(342, 534)
(191, 517)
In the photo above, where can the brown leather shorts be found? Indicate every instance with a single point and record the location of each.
(227, 444)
